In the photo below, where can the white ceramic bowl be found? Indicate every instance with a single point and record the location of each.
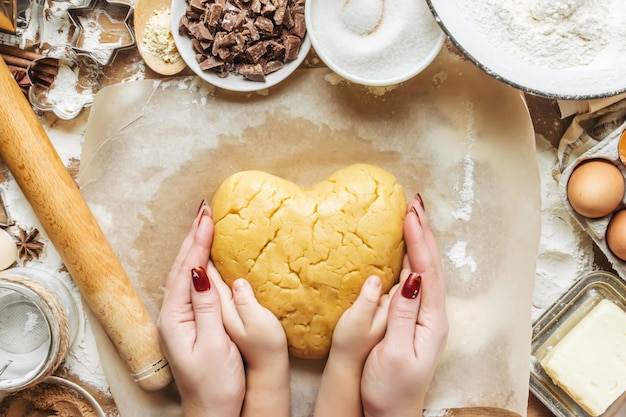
(572, 83)
(232, 82)
(349, 54)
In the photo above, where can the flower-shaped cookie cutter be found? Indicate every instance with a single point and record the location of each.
(71, 89)
(102, 28)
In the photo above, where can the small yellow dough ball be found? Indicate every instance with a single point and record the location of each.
(595, 188)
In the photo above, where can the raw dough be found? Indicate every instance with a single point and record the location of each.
(306, 252)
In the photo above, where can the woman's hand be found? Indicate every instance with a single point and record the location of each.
(400, 368)
(206, 364)
(359, 329)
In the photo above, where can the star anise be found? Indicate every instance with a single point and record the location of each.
(28, 246)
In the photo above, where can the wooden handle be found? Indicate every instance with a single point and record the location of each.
(479, 412)
(70, 225)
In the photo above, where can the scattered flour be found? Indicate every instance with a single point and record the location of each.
(465, 191)
(459, 257)
(565, 249)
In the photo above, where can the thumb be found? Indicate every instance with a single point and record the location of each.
(366, 304)
(246, 303)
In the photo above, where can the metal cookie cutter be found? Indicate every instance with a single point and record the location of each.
(71, 89)
(102, 29)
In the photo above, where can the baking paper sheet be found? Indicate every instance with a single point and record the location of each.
(154, 149)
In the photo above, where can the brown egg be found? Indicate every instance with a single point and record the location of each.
(595, 188)
(621, 147)
(616, 234)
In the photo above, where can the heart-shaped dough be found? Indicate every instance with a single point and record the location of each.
(307, 252)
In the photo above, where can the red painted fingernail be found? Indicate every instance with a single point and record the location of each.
(202, 205)
(416, 215)
(418, 197)
(205, 213)
(412, 286)
(200, 279)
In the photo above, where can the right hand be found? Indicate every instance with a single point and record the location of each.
(400, 368)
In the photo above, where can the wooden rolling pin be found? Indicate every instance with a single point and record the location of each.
(70, 225)
(479, 412)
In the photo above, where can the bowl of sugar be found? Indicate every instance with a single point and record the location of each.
(374, 42)
(570, 50)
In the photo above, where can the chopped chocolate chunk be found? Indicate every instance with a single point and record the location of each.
(252, 72)
(256, 51)
(211, 63)
(272, 66)
(264, 25)
(200, 32)
(268, 9)
(228, 21)
(276, 50)
(183, 26)
(299, 25)
(292, 47)
(214, 15)
(195, 44)
(196, 5)
(281, 8)
(256, 6)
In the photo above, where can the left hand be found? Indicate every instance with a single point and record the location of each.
(206, 364)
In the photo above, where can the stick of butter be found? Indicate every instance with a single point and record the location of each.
(589, 363)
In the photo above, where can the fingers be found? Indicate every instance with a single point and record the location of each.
(194, 252)
(403, 311)
(423, 257)
(203, 210)
(206, 306)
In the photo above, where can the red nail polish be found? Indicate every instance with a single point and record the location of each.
(200, 279)
(205, 213)
(412, 286)
(202, 205)
(416, 215)
(418, 197)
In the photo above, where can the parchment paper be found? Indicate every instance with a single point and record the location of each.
(154, 149)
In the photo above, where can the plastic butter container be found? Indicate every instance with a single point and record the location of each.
(557, 322)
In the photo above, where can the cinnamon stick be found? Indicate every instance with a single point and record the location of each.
(17, 72)
(19, 53)
(15, 61)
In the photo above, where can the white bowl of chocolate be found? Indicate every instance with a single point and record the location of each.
(241, 45)
(374, 42)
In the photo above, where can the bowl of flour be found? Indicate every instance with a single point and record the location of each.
(562, 49)
(374, 42)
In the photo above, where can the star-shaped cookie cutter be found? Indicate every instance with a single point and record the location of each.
(86, 21)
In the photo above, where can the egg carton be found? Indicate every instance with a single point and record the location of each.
(606, 150)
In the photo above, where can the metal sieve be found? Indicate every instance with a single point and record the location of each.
(23, 327)
(38, 322)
